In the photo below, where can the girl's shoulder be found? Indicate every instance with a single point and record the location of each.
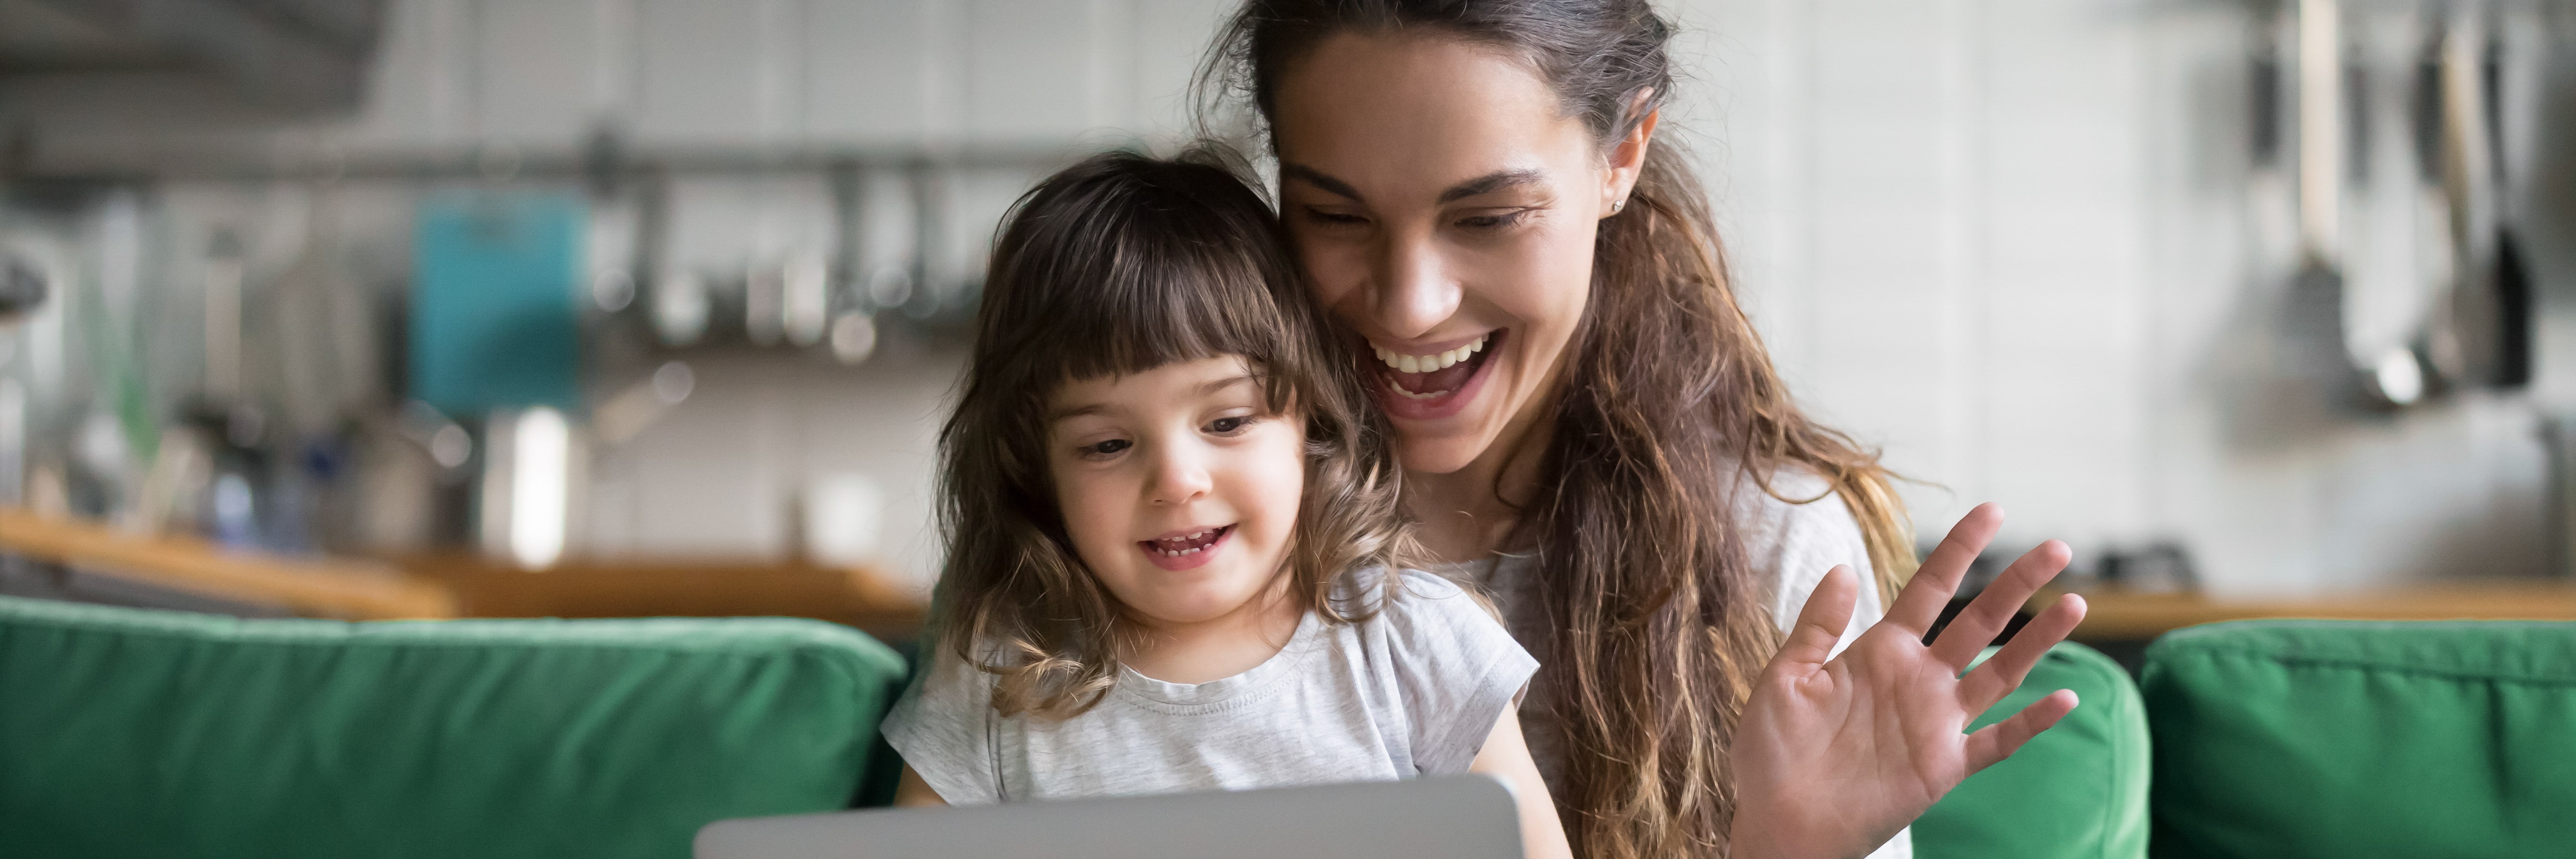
(1371, 592)
(1421, 612)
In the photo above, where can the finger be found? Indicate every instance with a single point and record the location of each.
(1822, 621)
(1919, 605)
(2003, 674)
(1985, 617)
(1998, 741)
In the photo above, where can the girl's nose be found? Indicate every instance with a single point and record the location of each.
(1414, 290)
(1180, 477)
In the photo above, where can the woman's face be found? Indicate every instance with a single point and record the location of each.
(1445, 205)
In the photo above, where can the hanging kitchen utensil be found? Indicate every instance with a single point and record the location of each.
(2317, 295)
(318, 321)
(22, 287)
(2482, 336)
(2461, 334)
(2516, 303)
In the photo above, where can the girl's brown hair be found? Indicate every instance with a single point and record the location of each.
(1652, 626)
(1118, 265)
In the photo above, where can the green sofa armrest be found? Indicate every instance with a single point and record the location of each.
(2076, 791)
(143, 733)
(2354, 740)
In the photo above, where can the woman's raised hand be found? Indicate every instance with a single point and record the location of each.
(1833, 757)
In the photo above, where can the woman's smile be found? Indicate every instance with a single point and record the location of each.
(1421, 384)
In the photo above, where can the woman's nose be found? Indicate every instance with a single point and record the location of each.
(1180, 477)
(1415, 292)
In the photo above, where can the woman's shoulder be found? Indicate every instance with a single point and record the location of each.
(1791, 503)
(1795, 531)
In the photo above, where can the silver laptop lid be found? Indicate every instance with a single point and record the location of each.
(1455, 817)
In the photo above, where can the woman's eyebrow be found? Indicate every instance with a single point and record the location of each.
(1492, 182)
(1485, 184)
(1320, 180)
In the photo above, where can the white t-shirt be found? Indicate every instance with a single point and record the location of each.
(1789, 545)
(1411, 691)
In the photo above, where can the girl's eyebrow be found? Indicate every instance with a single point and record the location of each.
(1222, 384)
(1209, 388)
(1076, 411)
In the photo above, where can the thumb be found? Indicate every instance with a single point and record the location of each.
(1820, 622)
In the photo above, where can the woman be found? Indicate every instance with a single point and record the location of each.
(1589, 421)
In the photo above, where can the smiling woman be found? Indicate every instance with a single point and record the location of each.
(1587, 420)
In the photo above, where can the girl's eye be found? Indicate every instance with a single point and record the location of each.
(1230, 426)
(1105, 449)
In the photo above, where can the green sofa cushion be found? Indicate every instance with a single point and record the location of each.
(2076, 791)
(2355, 740)
(142, 733)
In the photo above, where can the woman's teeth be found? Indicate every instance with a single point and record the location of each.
(1428, 363)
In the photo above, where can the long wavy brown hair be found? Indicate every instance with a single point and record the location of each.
(1118, 265)
(1654, 625)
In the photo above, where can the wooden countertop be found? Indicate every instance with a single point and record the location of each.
(453, 585)
(2116, 616)
(463, 585)
(352, 590)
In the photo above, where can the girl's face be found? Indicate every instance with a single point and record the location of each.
(1445, 209)
(1178, 486)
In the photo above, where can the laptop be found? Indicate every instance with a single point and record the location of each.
(1452, 817)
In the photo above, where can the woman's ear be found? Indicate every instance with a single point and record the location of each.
(1628, 155)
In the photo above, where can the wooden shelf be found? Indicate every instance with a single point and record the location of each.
(463, 585)
(344, 589)
(2118, 616)
(666, 587)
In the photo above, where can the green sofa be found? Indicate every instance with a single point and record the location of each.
(2359, 740)
(141, 733)
(129, 733)
(2076, 791)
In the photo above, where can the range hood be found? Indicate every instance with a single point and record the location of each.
(126, 62)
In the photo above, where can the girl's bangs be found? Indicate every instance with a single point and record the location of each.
(1165, 289)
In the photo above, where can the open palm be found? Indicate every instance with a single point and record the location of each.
(1834, 756)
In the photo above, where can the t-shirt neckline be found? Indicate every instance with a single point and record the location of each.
(1228, 688)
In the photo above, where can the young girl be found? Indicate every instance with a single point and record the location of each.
(1170, 516)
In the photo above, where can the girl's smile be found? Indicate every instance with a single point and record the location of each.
(1186, 549)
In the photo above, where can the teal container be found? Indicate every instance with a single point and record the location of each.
(495, 301)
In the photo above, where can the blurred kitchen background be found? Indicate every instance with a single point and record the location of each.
(2264, 300)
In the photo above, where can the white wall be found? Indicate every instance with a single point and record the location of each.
(2019, 243)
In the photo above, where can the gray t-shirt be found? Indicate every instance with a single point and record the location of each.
(1411, 691)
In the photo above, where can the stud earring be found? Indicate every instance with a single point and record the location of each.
(1616, 205)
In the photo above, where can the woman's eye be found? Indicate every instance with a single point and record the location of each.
(1335, 219)
(1229, 426)
(1484, 222)
(1106, 448)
